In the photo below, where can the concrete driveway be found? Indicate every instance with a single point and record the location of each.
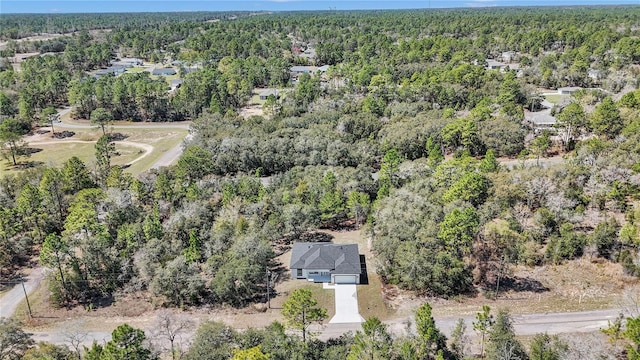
(346, 304)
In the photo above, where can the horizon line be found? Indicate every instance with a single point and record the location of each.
(461, 7)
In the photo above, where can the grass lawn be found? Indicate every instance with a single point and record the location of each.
(554, 99)
(162, 140)
(57, 154)
(137, 69)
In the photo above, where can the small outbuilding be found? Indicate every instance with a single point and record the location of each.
(326, 262)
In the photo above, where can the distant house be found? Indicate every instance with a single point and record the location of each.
(174, 84)
(541, 120)
(265, 94)
(115, 70)
(309, 53)
(190, 69)
(326, 262)
(323, 69)
(163, 71)
(495, 65)
(568, 90)
(299, 70)
(127, 62)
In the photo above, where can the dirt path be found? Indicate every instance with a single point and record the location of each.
(10, 300)
(172, 155)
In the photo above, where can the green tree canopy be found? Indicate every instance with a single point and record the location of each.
(301, 310)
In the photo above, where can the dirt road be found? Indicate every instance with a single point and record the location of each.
(10, 300)
(172, 155)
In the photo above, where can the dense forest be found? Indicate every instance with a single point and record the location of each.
(404, 134)
(18, 26)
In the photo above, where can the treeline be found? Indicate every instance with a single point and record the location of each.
(44, 81)
(138, 97)
(437, 63)
(134, 97)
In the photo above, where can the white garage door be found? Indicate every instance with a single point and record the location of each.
(344, 279)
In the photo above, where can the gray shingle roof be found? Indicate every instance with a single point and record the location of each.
(541, 118)
(268, 92)
(164, 71)
(339, 258)
(303, 69)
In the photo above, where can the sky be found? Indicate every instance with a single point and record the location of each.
(84, 6)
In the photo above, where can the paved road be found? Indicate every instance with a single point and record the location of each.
(10, 300)
(524, 325)
(168, 158)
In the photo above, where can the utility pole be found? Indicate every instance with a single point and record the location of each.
(502, 261)
(27, 298)
(268, 277)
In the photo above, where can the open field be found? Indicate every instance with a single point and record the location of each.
(554, 99)
(55, 154)
(143, 144)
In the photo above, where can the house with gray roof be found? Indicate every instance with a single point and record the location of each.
(495, 65)
(326, 262)
(115, 70)
(127, 62)
(174, 85)
(302, 69)
(164, 71)
(264, 95)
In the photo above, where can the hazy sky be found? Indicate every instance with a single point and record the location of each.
(37, 6)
